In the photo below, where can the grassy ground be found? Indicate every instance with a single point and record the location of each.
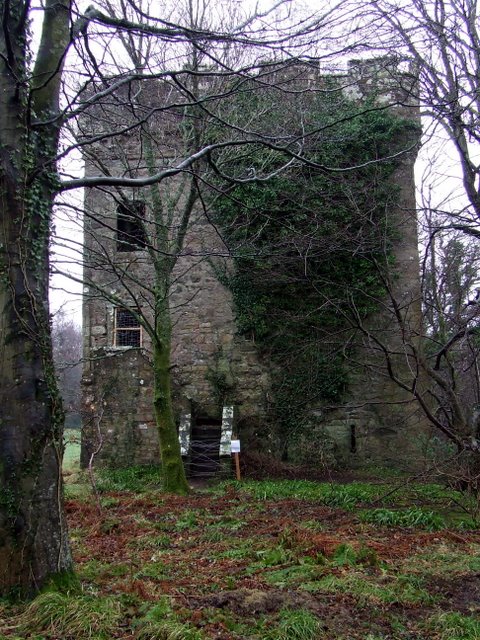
(270, 560)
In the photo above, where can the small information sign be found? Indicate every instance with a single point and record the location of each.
(235, 446)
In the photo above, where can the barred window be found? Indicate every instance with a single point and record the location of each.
(130, 232)
(128, 331)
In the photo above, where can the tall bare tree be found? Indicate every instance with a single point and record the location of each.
(187, 120)
(34, 543)
(34, 104)
(441, 38)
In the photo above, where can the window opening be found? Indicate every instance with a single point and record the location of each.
(130, 232)
(128, 331)
(353, 439)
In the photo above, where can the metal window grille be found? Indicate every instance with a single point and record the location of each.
(128, 331)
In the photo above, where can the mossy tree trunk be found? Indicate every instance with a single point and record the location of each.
(164, 252)
(172, 464)
(33, 534)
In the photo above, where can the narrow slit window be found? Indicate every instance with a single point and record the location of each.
(353, 439)
(130, 231)
(128, 331)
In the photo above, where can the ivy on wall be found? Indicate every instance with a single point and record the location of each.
(309, 246)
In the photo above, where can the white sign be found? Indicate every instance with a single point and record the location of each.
(235, 446)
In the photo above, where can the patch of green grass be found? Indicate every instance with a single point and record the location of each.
(154, 570)
(274, 556)
(108, 525)
(313, 525)
(465, 523)
(94, 569)
(108, 502)
(229, 524)
(346, 555)
(159, 622)
(443, 560)
(66, 616)
(455, 626)
(297, 624)
(71, 454)
(65, 582)
(77, 491)
(348, 496)
(168, 630)
(460, 509)
(437, 506)
(187, 520)
(118, 570)
(157, 542)
(294, 575)
(243, 551)
(396, 590)
(213, 535)
(91, 569)
(134, 479)
(421, 491)
(414, 517)
(308, 569)
(335, 495)
(240, 627)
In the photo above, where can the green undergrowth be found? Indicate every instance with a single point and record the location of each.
(261, 561)
(354, 571)
(441, 560)
(427, 506)
(159, 622)
(344, 496)
(79, 489)
(297, 624)
(412, 517)
(56, 614)
(136, 479)
(402, 589)
(455, 626)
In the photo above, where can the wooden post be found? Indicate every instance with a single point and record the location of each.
(237, 465)
(235, 448)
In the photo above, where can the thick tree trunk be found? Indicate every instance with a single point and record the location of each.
(33, 533)
(172, 465)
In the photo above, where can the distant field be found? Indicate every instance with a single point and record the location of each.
(71, 457)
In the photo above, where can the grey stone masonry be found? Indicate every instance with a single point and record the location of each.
(213, 367)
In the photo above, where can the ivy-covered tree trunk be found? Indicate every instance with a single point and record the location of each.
(33, 535)
(172, 465)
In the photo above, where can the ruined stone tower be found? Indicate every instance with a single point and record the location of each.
(213, 365)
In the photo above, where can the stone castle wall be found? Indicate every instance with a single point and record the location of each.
(380, 423)
(212, 364)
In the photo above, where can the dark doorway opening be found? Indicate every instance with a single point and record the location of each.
(205, 447)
